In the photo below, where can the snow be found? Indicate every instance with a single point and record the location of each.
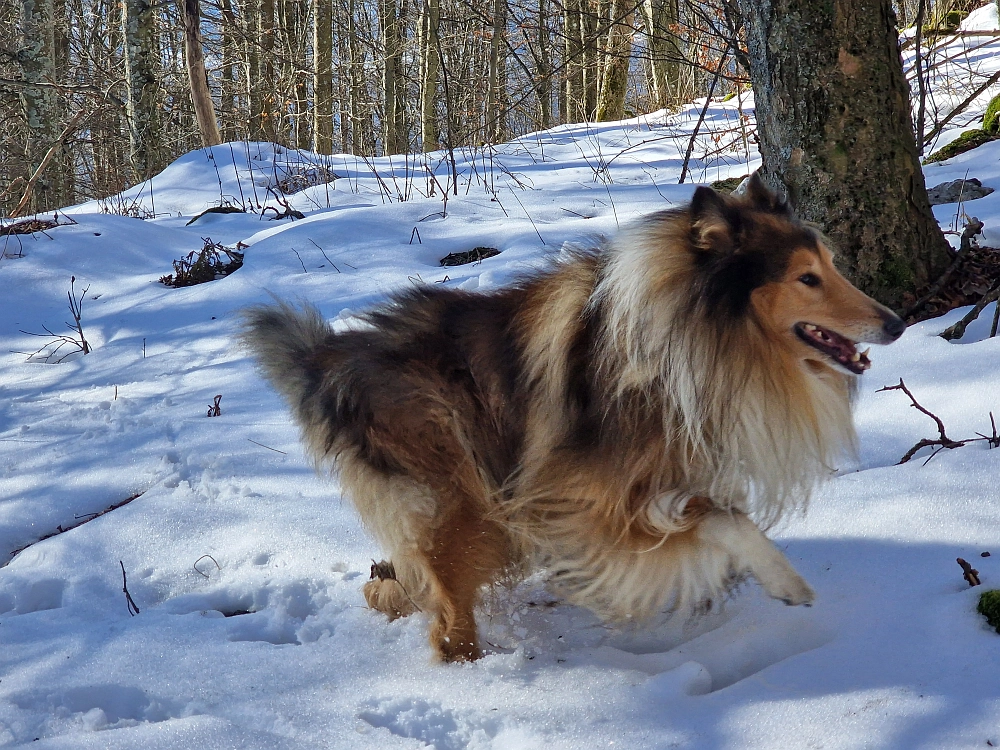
(232, 520)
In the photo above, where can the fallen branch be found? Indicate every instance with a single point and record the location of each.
(942, 441)
(958, 330)
(53, 149)
(85, 518)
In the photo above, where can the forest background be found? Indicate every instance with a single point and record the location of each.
(98, 95)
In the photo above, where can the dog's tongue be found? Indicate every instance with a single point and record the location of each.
(838, 347)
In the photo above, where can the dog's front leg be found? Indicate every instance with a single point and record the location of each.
(752, 552)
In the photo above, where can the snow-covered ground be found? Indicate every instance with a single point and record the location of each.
(231, 519)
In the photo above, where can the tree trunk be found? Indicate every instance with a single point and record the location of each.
(574, 110)
(267, 81)
(834, 127)
(201, 97)
(495, 95)
(250, 18)
(430, 65)
(361, 123)
(391, 75)
(590, 28)
(543, 72)
(142, 53)
(660, 19)
(614, 85)
(228, 87)
(41, 105)
(322, 77)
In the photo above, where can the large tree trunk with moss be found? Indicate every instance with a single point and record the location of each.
(835, 132)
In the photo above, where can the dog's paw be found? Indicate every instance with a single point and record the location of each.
(388, 597)
(786, 586)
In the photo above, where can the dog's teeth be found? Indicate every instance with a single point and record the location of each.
(809, 327)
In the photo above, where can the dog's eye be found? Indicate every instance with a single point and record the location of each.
(809, 279)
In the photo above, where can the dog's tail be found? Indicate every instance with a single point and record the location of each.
(284, 342)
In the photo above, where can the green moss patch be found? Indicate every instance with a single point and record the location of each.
(969, 140)
(729, 184)
(989, 607)
(991, 120)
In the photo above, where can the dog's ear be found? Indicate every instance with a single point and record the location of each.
(762, 198)
(714, 226)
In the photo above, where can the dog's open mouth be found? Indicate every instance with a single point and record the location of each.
(840, 349)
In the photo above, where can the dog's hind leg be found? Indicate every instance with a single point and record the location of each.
(469, 553)
(752, 552)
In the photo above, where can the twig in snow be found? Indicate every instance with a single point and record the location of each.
(77, 342)
(268, 447)
(300, 260)
(215, 410)
(197, 570)
(969, 573)
(324, 255)
(132, 609)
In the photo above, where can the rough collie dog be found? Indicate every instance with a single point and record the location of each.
(628, 419)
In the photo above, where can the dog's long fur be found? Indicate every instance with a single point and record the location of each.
(628, 418)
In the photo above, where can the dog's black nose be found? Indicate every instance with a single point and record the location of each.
(894, 327)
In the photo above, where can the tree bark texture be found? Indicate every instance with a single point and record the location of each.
(614, 84)
(543, 70)
(430, 67)
(142, 105)
(265, 117)
(496, 95)
(660, 18)
(228, 89)
(322, 76)
(201, 97)
(42, 108)
(392, 78)
(575, 98)
(835, 132)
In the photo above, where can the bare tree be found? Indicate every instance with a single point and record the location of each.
(145, 135)
(201, 96)
(430, 66)
(618, 55)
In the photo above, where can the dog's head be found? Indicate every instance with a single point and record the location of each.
(753, 258)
